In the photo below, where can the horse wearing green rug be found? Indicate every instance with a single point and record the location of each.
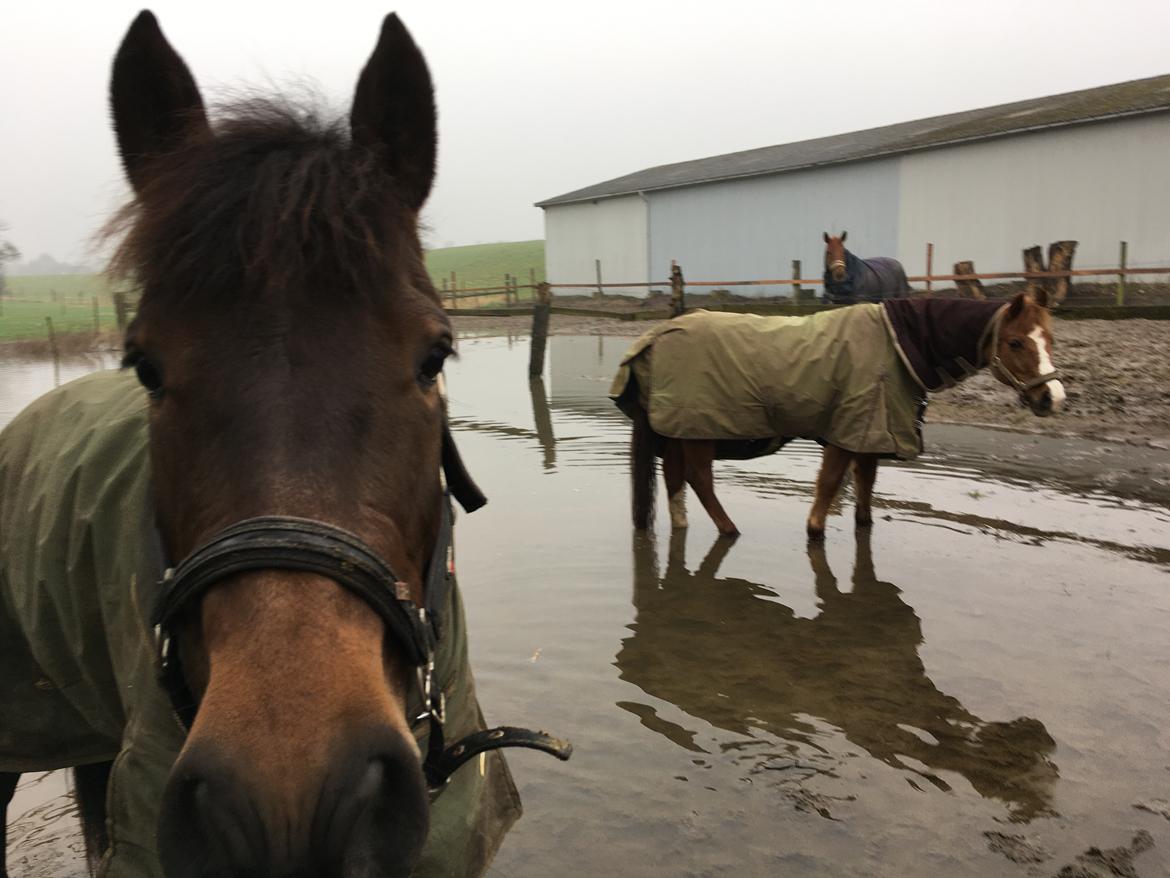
(711, 385)
(227, 584)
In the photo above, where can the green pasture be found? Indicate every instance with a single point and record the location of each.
(484, 265)
(66, 298)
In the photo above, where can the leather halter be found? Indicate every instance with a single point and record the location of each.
(287, 543)
(1000, 368)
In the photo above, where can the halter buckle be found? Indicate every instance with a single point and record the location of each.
(433, 699)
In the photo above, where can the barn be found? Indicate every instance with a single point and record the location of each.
(1091, 165)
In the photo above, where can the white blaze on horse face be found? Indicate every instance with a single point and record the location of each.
(678, 509)
(1055, 388)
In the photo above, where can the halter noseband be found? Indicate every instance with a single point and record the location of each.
(287, 543)
(1000, 368)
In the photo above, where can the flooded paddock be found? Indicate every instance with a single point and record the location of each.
(979, 687)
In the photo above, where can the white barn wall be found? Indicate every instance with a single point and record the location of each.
(1097, 184)
(611, 229)
(753, 228)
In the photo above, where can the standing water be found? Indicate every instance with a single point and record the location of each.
(976, 688)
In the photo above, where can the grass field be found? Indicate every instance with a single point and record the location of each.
(68, 298)
(484, 265)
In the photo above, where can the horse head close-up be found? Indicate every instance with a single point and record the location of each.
(290, 342)
(289, 436)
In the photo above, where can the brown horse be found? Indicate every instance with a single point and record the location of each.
(935, 343)
(289, 341)
(849, 279)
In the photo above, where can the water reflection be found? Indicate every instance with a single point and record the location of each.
(542, 418)
(725, 651)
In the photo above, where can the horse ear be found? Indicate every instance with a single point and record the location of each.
(394, 112)
(1040, 295)
(153, 98)
(1016, 308)
(826, 237)
(844, 235)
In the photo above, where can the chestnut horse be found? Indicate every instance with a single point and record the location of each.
(939, 342)
(290, 343)
(850, 279)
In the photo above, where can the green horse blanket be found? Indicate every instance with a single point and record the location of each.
(756, 382)
(79, 559)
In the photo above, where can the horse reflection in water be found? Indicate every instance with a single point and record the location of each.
(720, 652)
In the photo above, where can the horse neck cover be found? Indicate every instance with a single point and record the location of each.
(941, 340)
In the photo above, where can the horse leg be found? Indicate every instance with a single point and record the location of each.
(90, 783)
(676, 487)
(698, 456)
(8, 781)
(834, 465)
(864, 473)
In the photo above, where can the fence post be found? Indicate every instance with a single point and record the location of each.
(1121, 274)
(678, 304)
(1033, 262)
(929, 268)
(1060, 258)
(55, 349)
(797, 289)
(96, 325)
(600, 291)
(120, 311)
(971, 288)
(540, 314)
(454, 290)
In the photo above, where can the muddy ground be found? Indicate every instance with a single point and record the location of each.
(1116, 374)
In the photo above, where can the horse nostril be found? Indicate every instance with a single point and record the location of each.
(1046, 399)
(206, 824)
(377, 811)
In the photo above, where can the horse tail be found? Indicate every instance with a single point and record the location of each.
(90, 783)
(643, 451)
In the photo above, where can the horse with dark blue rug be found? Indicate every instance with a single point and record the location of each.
(849, 278)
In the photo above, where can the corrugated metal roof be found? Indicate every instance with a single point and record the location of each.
(1136, 97)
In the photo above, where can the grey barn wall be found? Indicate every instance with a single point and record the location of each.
(1097, 184)
(753, 228)
(610, 229)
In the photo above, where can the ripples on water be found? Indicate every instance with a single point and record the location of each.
(992, 658)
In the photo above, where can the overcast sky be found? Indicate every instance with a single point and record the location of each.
(540, 98)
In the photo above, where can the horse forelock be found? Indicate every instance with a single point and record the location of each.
(276, 197)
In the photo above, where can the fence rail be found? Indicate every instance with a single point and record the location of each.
(918, 278)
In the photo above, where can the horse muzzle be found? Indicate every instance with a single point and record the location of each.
(1045, 400)
(367, 814)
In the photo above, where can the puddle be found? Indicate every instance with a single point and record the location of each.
(986, 674)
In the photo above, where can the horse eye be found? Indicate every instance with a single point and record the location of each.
(149, 376)
(431, 367)
(1015, 344)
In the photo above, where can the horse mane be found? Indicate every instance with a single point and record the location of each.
(275, 198)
